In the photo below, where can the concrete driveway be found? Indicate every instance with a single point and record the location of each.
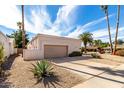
(99, 73)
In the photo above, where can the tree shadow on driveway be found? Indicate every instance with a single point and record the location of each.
(118, 72)
(104, 69)
(110, 71)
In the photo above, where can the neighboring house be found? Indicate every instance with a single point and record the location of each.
(48, 46)
(7, 43)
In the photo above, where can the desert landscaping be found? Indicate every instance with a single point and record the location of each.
(72, 59)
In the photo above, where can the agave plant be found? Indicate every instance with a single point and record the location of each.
(42, 69)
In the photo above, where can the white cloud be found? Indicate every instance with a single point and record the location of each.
(92, 23)
(9, 16)
(40, 20)
(65, 15)
(103, 34)
(76, 32)
(86, 27)
(64, 18)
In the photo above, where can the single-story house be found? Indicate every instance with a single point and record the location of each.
(8, 44)
(48, 46)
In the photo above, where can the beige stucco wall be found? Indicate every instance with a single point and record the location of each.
(32, 54)
(8, 45)
(41, 40)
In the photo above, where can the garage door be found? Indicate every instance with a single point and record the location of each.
(52, 51)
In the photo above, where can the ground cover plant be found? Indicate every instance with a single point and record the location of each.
(95, 55)
(75, 53)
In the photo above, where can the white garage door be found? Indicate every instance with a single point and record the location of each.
(52, 51)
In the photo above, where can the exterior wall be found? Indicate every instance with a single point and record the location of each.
(41, 40)
(34, 44)
(7, 44)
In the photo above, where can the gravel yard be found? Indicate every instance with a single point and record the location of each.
(21, 77)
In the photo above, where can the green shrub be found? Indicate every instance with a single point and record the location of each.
(1, 54)
(120, 52)
(95, 55)
(42, 69)
(75, 53)
(1, 59)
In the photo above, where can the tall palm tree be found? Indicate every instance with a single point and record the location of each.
(23, 31)
(105, 9)
(117, 26)
(86, 38)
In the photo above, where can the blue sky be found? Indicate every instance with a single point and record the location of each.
(68, 21)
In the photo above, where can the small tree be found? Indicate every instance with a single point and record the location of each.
(97, 43)
(1, 59)
(17, 35)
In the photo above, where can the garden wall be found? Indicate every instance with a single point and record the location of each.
(34, 54)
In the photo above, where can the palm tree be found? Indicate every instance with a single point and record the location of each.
(86, 38)
(105, 9)
(23, 31)
(117, 25)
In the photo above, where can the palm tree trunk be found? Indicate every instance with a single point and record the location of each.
(23, 32)
(109, 31)
(117, 26)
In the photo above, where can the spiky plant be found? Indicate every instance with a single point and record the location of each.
(42, 69)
